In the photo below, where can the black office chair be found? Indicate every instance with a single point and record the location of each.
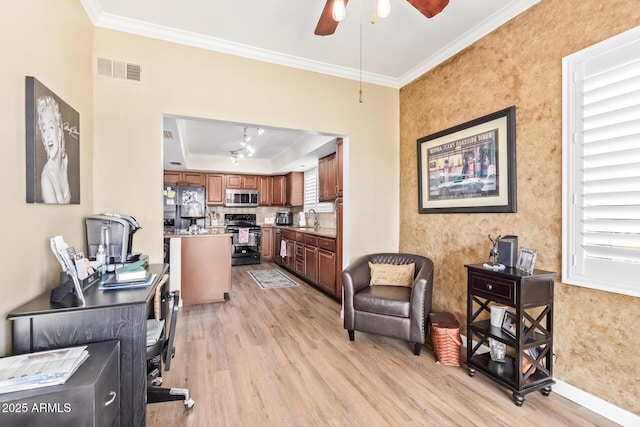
(160, 346)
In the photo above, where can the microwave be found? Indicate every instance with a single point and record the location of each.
(241, 198)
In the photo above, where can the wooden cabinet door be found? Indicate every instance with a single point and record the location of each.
(215, 189)
(339, 163)
(265, 184)
(193, 178)
(172, 177)
(289, 260)
(234, 181)
(266, 243)
(311, 263)
(327, 178)
(295, 189)
(327, 271)
(250, 182)
(278, 190)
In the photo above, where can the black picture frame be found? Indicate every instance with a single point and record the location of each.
(469, 168)
(52, 174)
(509, 324)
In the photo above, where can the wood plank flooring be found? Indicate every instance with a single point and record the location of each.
(280, 357)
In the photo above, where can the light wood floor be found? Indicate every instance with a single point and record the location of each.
(281, 357)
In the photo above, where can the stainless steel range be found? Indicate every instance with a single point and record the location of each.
(245, 244)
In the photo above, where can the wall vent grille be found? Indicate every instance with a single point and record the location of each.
(168, 134)
(118, 69)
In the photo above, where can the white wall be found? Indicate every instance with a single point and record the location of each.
(52, 41)
(189, 81)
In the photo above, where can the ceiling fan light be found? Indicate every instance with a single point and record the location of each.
(250, 154)
(260, 131)
(384, 8)
(339, 10)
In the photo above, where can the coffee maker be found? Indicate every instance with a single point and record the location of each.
(115, 233)
(284, 218)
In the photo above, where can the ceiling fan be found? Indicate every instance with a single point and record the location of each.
(332, 14)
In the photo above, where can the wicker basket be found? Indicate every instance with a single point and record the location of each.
(445, 336)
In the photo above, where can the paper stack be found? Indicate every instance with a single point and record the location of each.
(40, 369)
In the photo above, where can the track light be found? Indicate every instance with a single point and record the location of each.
(339, 10)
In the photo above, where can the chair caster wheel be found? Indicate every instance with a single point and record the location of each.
(188, 404)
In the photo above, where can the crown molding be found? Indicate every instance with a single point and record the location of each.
(145, 29)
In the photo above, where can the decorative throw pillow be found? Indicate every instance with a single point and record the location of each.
(392, 275)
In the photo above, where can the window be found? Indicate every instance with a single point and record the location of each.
(311, 193)
(601, 166)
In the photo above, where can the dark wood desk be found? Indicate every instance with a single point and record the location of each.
(107, 315)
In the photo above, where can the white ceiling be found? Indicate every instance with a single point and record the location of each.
(392, 52)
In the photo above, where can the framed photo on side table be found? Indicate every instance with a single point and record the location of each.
(509, 324)
(526, 260)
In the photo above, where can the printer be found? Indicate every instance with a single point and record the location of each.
(115, 233)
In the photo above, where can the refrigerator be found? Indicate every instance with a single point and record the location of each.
(174, 199)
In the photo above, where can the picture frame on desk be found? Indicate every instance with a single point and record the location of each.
(526, 260)
(509, 324)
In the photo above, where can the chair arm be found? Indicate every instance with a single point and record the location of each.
(421, 298)
(355, 277)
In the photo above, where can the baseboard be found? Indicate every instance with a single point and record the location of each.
(587, 400)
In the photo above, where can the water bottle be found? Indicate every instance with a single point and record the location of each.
(101, 259)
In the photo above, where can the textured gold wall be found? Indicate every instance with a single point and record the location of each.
(521, 64)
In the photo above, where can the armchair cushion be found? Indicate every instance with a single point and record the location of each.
(392, 275)
(385, 300)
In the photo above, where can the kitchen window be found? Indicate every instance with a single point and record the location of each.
(311, 185)
(601, 166)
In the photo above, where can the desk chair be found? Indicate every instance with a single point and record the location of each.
(160, 346)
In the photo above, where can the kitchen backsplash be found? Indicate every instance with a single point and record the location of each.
(325, 219)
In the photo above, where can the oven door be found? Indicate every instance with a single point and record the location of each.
(245, 246)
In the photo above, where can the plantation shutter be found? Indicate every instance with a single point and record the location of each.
(602, 185)
(311, 193)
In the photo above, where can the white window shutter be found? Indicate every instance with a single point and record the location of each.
(601, 166)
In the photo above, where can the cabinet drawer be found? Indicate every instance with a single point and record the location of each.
(310, 240)
(288, 234)
(327, 244)
(501, 288)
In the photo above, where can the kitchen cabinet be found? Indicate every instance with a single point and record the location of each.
(215, 189)
(267, 243)
(528, 366)
(183, 178)
(299, 266)
(245, 182)
(311, 258)
(327, 271)
(265, 190)
(339, 164)
(295, 189)
(278, 190)
(327, 178)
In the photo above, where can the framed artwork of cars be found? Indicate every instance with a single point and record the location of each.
(469, 168)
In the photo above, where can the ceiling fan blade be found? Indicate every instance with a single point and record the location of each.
(429, 8)
(326, 24)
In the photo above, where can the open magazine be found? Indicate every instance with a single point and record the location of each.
(45, 368)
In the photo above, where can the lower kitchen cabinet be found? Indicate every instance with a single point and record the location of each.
(267, 244)
(327, 270)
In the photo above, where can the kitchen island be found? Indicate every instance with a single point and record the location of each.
(201, 265)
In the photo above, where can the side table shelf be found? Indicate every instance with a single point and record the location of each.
(528, 366)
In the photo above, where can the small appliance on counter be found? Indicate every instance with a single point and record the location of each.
(115, 233)
(284, 218)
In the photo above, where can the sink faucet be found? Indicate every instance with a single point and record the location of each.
(316, 224)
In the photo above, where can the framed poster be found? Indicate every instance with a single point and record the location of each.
(469, 168)
(52, 147)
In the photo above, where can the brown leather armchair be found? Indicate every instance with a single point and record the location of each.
(392, 311)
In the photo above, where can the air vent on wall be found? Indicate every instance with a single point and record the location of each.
(118, 69)
(168, 134)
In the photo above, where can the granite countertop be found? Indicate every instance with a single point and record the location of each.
(321, 232)
(206, 232)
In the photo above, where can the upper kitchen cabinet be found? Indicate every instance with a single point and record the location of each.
(265, 186)
(278, 190)
(295, 189)
(215, 189)
(183, 178)
(327, 178)
(246, 182)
